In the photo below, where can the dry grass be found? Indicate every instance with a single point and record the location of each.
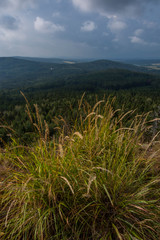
(94, 183)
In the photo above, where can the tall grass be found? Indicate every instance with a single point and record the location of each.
(95, 181)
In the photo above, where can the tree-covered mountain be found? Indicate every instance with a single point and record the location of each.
(111, 79)
(22, 74)
(46, 60)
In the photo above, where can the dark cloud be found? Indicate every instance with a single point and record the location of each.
(114, 6)
(124, 28)
(119, 5)
(9, 22)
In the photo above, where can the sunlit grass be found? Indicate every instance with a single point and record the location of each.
(94, 181)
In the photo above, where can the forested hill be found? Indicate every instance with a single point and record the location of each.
(54, 86)
(15, 73)
(19, 73)
(107, 64)
(111, 79)
(44, 60)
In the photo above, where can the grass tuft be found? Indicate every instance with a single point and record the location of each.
(95, 181)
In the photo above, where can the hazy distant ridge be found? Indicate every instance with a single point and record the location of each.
(20, 72)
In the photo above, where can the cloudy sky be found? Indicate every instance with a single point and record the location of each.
(110, 29)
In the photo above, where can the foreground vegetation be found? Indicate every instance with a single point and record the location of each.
(93, 180)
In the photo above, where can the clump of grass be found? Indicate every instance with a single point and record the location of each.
(95, 183)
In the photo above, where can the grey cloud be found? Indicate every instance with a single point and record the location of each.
(9, 22)
(113, 6)
(3, 3)
(119, 5)
(16, 4)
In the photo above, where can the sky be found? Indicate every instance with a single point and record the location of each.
(100, 29)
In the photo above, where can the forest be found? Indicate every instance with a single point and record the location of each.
(56, 88)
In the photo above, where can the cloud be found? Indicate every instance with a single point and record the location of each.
(11, 37)
(9, 22)
(11, 29)
(137, 40)
(115, 40)
(138, 32)
(3, 3)
(112, 6)
(83, 5)
(116, 25)
(44, 26)
(106, 34)
(150, 24)
(56, 14)
(88, 26)
(17, 4)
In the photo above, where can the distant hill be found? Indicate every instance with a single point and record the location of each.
(26, 74)
(44, 60)
(107, 64)
(18, 72)
(88, 65)
(54, 60)
(141, 62)
(111, 79)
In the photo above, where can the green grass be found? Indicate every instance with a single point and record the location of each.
(94, 181)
